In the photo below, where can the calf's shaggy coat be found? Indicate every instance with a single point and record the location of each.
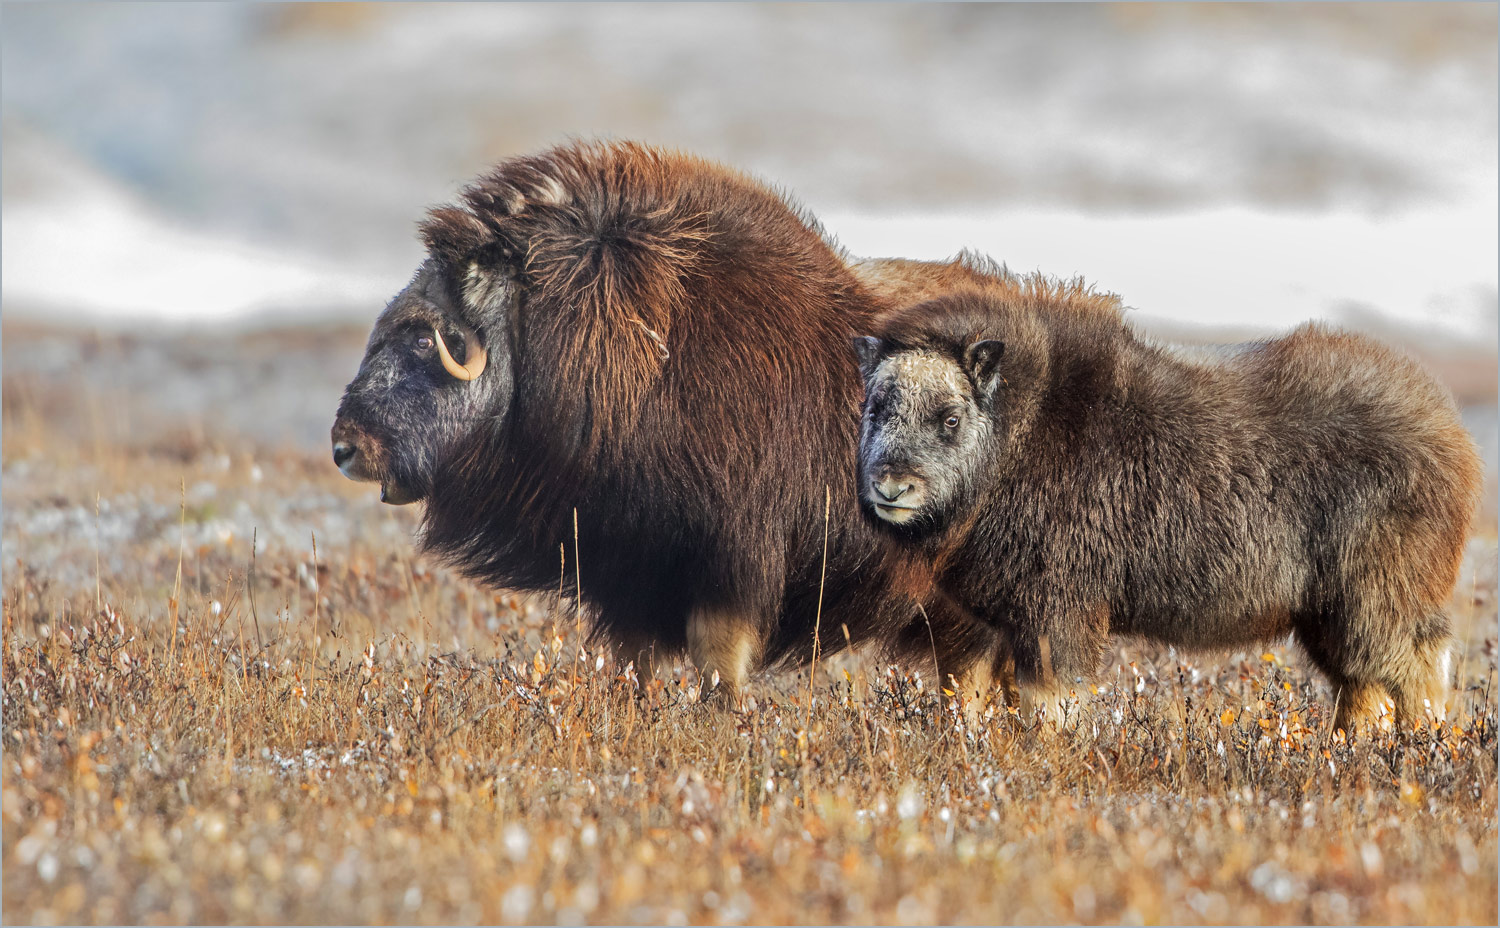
(1067, 480)
(660, 352)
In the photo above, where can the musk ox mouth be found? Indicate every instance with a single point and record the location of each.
(894, 513)
(363, 461)
(390, 492)
(352, 471)
(393, 495)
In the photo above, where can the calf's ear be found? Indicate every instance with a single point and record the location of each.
(983, 362)
(867, 349)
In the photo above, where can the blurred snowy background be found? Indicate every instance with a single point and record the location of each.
(1233, 165)
(204, 206)
(1229, 169)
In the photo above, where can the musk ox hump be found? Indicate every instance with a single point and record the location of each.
(602, 242)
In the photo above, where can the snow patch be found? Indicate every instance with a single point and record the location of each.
(1234, 267)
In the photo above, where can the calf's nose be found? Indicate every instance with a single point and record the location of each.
(343, 453)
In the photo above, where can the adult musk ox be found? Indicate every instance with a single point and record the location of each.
(1068, 480)
(653, 345)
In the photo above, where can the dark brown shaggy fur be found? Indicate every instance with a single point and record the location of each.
(665, 362)
(1317, 484)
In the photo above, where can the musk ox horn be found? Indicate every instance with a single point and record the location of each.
(477, 356)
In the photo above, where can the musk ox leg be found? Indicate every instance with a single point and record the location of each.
(1382, 620)
(1399, 682)
(972, 684)
(724, 644)
(1052, 707)
(979, 678)
(642, 654)
(1386, 668)
(1004, 673)
(971, 657)
(1361, 707)
(1049, 661)
(1045, 681)
(1419, 683)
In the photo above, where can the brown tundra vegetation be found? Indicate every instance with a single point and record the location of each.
(1068, 479)
(193, 734)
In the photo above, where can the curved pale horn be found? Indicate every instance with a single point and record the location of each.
(477, 356)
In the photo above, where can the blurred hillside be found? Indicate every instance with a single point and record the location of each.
(1240, 166)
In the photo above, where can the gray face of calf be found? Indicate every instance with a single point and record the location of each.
(925, 432)
(427, 381)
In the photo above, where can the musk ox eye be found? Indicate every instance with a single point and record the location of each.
(424, 343)
(951, 422)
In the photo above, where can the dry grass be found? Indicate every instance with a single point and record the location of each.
(378, 741)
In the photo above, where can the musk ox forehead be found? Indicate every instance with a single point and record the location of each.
(428, 296)
(923, 371)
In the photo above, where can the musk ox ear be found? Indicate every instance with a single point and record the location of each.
(473, 258)
(454, 234)
(867, 348)
(982, 359)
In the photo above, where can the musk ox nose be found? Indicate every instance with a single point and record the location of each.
(353, 455)
(891, 489)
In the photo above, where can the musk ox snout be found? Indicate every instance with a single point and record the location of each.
(354, 453)
(891, 489)
(897, 495)
(361, 457)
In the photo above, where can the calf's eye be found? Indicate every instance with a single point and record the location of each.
(951, 422)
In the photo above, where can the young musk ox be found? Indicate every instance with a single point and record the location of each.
(653, 345)
(1067, 479)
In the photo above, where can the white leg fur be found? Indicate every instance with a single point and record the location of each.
(1442, 686)
(973, 684)
(725, 643)
(1051, 706)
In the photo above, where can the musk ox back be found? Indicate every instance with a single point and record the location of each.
(1068, 479)
(649, 344)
